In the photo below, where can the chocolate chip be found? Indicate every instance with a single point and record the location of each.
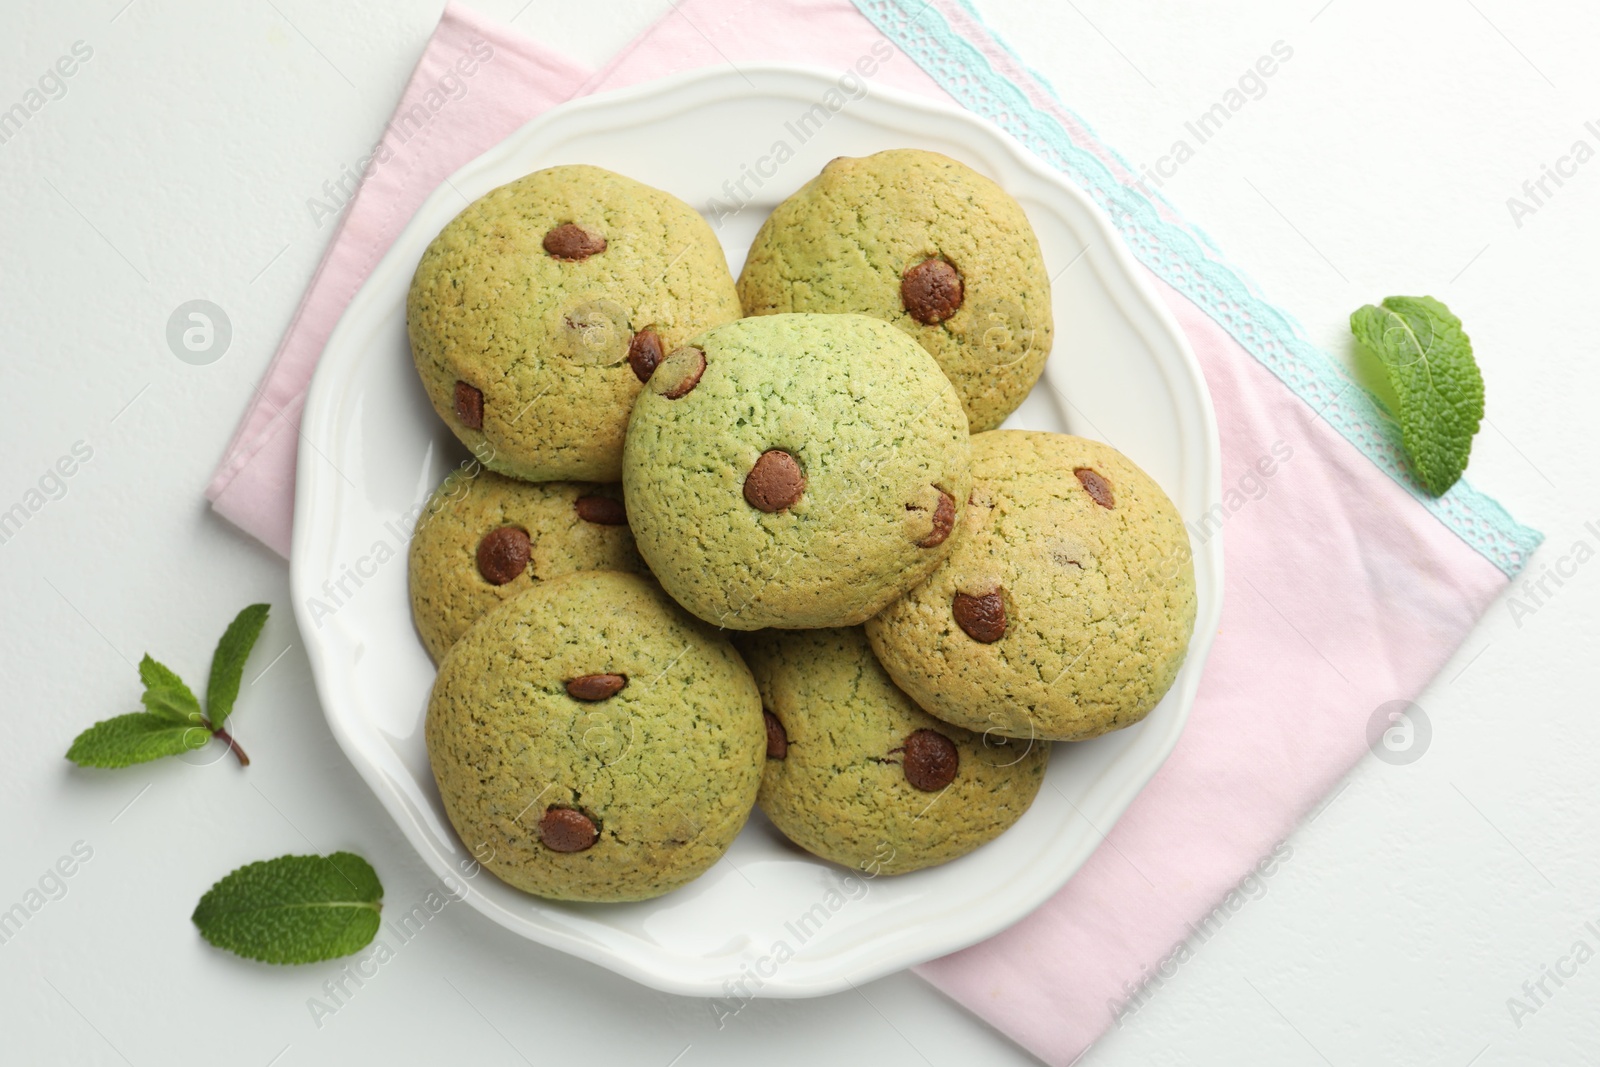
(777, 736)
(679, 373)
(596, 686)
(645, 354)
(930, 761)
(503, 554)
(931, 291)
(775, 482)
(469, 406)
(983, 618)
(602, 510)
(567, 830)
(572, 242)
(1096, 486)
(944, 520)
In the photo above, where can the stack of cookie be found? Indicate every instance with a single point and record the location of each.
(918, 609)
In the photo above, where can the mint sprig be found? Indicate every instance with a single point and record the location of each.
(1427, 358)
(173, 721)
(293, 909)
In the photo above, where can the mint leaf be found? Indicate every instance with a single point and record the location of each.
(1427, 357)
(137, 737)
(159, 676)
(227, 663)
(174, 704)
(294, 909)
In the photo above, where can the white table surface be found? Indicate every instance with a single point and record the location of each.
(177, 166)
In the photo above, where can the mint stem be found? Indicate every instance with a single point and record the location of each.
(226, 738)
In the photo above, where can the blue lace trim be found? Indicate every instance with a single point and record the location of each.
(1185, 258)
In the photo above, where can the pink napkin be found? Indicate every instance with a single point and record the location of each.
(1345, 588)
(475, 83)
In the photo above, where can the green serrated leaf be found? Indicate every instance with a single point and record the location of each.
(157, 675)
(293, 909)
(1427, 358)
(227, 663)
(173, 704)
(137, 737)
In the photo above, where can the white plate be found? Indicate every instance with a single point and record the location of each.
(372, 451)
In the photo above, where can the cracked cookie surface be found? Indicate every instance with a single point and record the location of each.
(868, 779)
(592, 741)
(926, 243)
(795, 470)
(1066, 608)
(556, 528)
(524, 311)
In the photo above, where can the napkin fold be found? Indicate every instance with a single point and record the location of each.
(1346, 587)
